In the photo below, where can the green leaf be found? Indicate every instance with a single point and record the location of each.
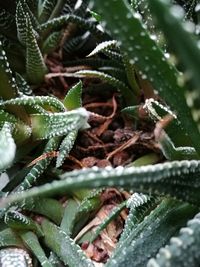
(70, 212)
(103, 46)
(8, 88)
(122, 87)
(126, 27)
(33, 5)
(46, 10)
(179, 179)
(95, 15)
(94, 62)
(9, 238)
(48, 207)
(45, 126)
(52, 42)
(61, 21)
(73, 45)
(18, 221)
(90, 203)
(35, 65)
(113, 214)
(30, 15)
(131, 75)
(65, 147)
(113, 55)
(21, 18)
(185, 46)
(34, 101)
(15, 54)
(73, 98)
(132, 111)
(182, 250)
(7, 147)
(65, 247)
(57, 9)
(20, 131)
(140, 205)
(31, 240)
(36, 171)
(161, 224)
(175, 153)
(147, 159)
(23, 86)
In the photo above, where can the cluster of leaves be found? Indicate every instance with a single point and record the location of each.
(131, 57)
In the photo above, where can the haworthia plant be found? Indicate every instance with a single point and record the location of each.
(9, 256)
(35, 66)
(113, 214)
(140, 206)
(9, 88)
(45, 126)
(66, 146)
(160, 224)
(20, 22)
(177, 178)
(73, 98)
(20, 222)
(61, 21)
(10, 238)
(69, 216)
(128, 95)
(130, 72)
(144, 52)
(46, 9)
(52, 42)
(41, 116)
(103, 46)
(7, 147)
(35, 172)
(186, 47)
(187, 240)
(31, 240)
(47, 207)
(69, 252)
(35, 100)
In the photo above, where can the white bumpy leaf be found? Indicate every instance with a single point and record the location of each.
(7, 147)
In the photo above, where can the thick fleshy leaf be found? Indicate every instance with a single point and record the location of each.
(45, 126)
(18, 221)
(31, 240)
(65, 247)
(182, 250)
(7, 147)
(35, 65)
(65, 147)
(135, 41)
(10, 238)
(73, 98)
(179, 179)
(161, 224)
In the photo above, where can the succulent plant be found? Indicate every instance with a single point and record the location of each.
(144, 48)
